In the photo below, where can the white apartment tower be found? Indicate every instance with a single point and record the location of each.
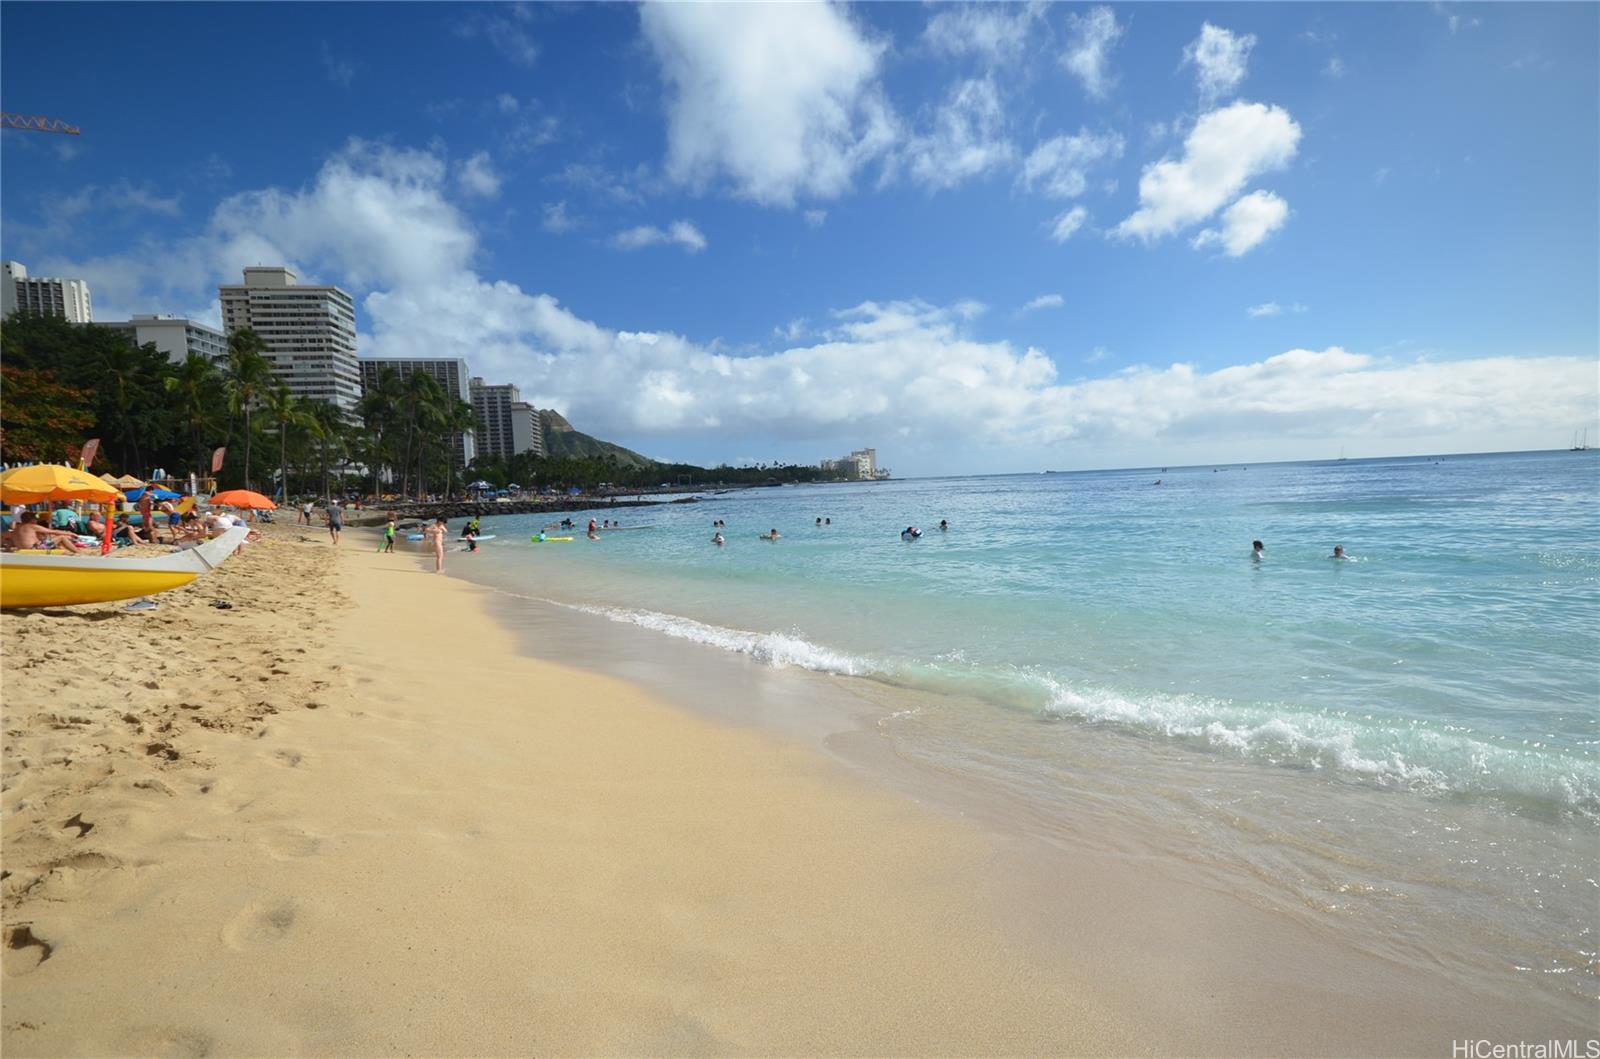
(309, 332)
(507, 424)
(43, 296)
(175, 336)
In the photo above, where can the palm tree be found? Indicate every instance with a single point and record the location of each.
(422, 392)
(284, 408)
(377, 408)
(248, 375)
(195, 387)
(327, 424)
(458, 419)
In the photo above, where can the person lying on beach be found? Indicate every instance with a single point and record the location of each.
(29, 533)
(122, 532)
(189, 528)
(772, 536)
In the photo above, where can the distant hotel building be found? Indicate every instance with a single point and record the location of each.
(862, 463)
(507, 425)
(175, 336)
(309, 332)
(449, 372)
(43, 296)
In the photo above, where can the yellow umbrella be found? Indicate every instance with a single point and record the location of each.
(50, 481)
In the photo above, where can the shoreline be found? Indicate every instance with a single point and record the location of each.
(451, 847)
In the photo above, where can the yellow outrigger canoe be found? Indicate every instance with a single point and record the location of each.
(40, 579)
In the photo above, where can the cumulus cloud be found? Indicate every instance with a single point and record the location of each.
(993, 32)
(782, 100)
(340, 71)
(681, 233)
(816, 218)
(1220, 59)
(122, 196)
(477, 177)
(967, 139)
(1088, 54)
(1059, 167)
(1044, 301)
(1066, 225)
(378, 221)
(1226, 148)
(1246, 223)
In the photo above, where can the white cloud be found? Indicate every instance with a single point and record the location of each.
(1455, 21)
(378, 221)
(967, 139)
(557, 219)
(681, 233)
(781, 99)
(1096, 355)
(1220, 58)
(1093, 35)
(993, 32)
(1044, 301)
(1059, 167)
(1066, 225)
(1246, 223)
(1335, 68)
(507, 103)
(1225, 149)
(1274, 309)
(507, 27)
(816, 218)
(340, 71)
(121, 197)
(477, 177)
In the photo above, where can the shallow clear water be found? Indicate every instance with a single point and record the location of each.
(1400, 739)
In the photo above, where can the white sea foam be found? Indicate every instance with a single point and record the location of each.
(1423, 759)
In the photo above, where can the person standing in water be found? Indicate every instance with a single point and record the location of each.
(1338, 552)
(434, 536)
(1258, 551)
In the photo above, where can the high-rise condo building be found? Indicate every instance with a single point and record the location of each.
(507, 424)
(449, 372)
(43, 296)
(175, 336)
(309, 332)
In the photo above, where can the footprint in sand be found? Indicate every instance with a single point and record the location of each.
(290, 845)
(169, 1041)
(289, 759)
(24, 951)
(260, 923)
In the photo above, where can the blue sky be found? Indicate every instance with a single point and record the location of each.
(1245, 232)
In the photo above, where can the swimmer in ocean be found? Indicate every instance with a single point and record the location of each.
(1258, 551)
(1338, 552)
(943, 526)
(772, 536)
(716, 538)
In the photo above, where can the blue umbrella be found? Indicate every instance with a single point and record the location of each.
(155, 491)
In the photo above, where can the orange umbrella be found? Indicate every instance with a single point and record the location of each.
(245, 498)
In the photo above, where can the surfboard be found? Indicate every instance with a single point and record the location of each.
(547, 540)
(413, 536)
(485, 537)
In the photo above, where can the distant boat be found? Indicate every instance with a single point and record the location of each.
(1576, 445)
(1341, 452)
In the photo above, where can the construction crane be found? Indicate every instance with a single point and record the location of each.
(36, 123)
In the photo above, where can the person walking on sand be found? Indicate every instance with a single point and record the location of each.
(335, 519)
(434, 537)
(388, 536)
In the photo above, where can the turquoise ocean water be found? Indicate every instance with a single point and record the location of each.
(1404, 745)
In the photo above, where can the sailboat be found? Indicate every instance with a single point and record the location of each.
(1576, 447)
(1341, 452)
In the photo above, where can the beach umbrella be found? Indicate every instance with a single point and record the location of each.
(109, 478)
(245, 498)
(127, 481)
(50, 481)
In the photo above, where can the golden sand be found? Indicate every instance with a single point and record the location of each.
(347, 817)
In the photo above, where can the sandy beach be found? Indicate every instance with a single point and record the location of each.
(346, 816)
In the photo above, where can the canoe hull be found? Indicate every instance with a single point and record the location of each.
(44, 580)
(37, 586)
